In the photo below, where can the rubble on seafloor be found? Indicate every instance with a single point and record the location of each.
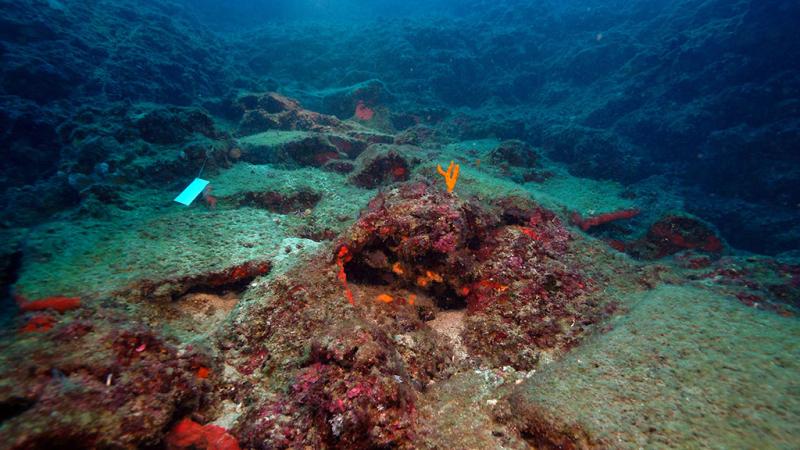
(335, 295)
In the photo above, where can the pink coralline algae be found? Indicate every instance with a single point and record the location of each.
(510, 267)
(446, 243)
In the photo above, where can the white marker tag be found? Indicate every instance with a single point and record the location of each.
(191, 192)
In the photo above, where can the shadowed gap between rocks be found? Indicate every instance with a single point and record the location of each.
(235, 278)
(13, 407)
(372, 267)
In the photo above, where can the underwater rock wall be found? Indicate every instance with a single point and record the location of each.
(71, 72)
(698, 91)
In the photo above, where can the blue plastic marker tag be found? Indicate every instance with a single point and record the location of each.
(191, 192)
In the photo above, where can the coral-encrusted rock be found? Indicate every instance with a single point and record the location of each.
(30, 142)
(334, 376)
(106, 194)
(330, 406)
(174, 125)
(420, 135)
(511, 269)
(352, 386)
(339, 166)
(344, 102)
(273, 111)
(381, 164)
(672, 234)
(88, 385)
(420, 224)
(89, 152)
(270, 102)
(279, 202)
(351, 146)
(307, 149)
(403, 120)
(41, 81)
(256, 122)
(313, 151)
(526, 299)
(514, 153)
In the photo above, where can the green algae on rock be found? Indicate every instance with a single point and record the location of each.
(684, 368)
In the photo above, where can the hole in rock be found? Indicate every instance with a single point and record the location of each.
(234, 288)
(13, 407)
(370, 267)
(547, 436)
(64, 440)
(446, 298)
(375, 266)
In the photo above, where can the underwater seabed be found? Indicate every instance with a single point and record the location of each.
(329, 292)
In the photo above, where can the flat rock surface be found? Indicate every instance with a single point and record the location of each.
(684, 368)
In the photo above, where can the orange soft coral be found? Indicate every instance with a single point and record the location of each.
(451, 176)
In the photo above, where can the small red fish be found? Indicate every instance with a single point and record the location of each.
(210, 200)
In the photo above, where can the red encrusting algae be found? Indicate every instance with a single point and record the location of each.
(38, 323)
(482, 293)
(601, 219)
(58, 303)
(364, 112)
(343, 257)
(190, 434)
(685, 233)
(399, 172)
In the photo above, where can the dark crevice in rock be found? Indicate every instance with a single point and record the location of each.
(382, 170)
(234, 278)
(446, 297)
(360, 273)
(378, 265)
(543, 443)
(58, 441)
(237, 286)
(13, 407)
